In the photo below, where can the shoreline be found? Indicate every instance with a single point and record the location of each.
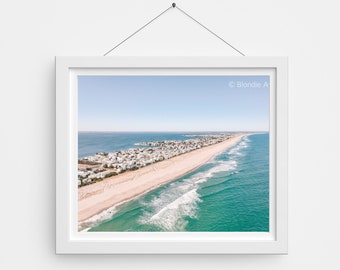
(103, 165)
(113, 191)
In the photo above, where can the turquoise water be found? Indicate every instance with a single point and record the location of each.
(229, 193)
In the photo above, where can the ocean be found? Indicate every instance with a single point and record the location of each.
(230, 193)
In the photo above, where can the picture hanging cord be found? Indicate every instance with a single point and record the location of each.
(174, 6)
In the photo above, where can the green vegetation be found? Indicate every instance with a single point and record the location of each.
(110, 174)
(99, 170)
(94, 180)
(87, 162)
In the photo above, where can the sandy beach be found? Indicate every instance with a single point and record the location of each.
(97, 197)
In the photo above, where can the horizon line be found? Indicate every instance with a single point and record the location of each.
(135, 131)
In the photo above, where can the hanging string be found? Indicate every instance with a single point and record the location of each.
(174, 6)
(145, 25)
(206, 28)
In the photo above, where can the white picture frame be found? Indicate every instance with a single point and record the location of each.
(70, 241)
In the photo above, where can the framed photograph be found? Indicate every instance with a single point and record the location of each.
(171, 155)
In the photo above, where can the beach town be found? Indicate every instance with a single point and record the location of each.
(103, 165)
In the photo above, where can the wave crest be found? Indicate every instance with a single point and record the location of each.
(179, 201)
(97, 219)
(170, 217)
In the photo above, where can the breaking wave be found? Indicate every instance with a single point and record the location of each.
(171, 208)
(237, 150)
(97, 219)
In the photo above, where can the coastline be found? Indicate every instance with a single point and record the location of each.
(98, 197)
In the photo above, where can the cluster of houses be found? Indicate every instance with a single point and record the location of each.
(103, 165)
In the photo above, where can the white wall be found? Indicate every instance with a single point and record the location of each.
(33, 32)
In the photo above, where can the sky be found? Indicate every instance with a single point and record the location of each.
(173, 103)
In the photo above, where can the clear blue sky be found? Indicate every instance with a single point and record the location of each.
(173, 103)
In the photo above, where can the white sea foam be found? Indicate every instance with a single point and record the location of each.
(237, 150)
(180, 200)
(223, 166)
(170, 217)
(96, 219)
